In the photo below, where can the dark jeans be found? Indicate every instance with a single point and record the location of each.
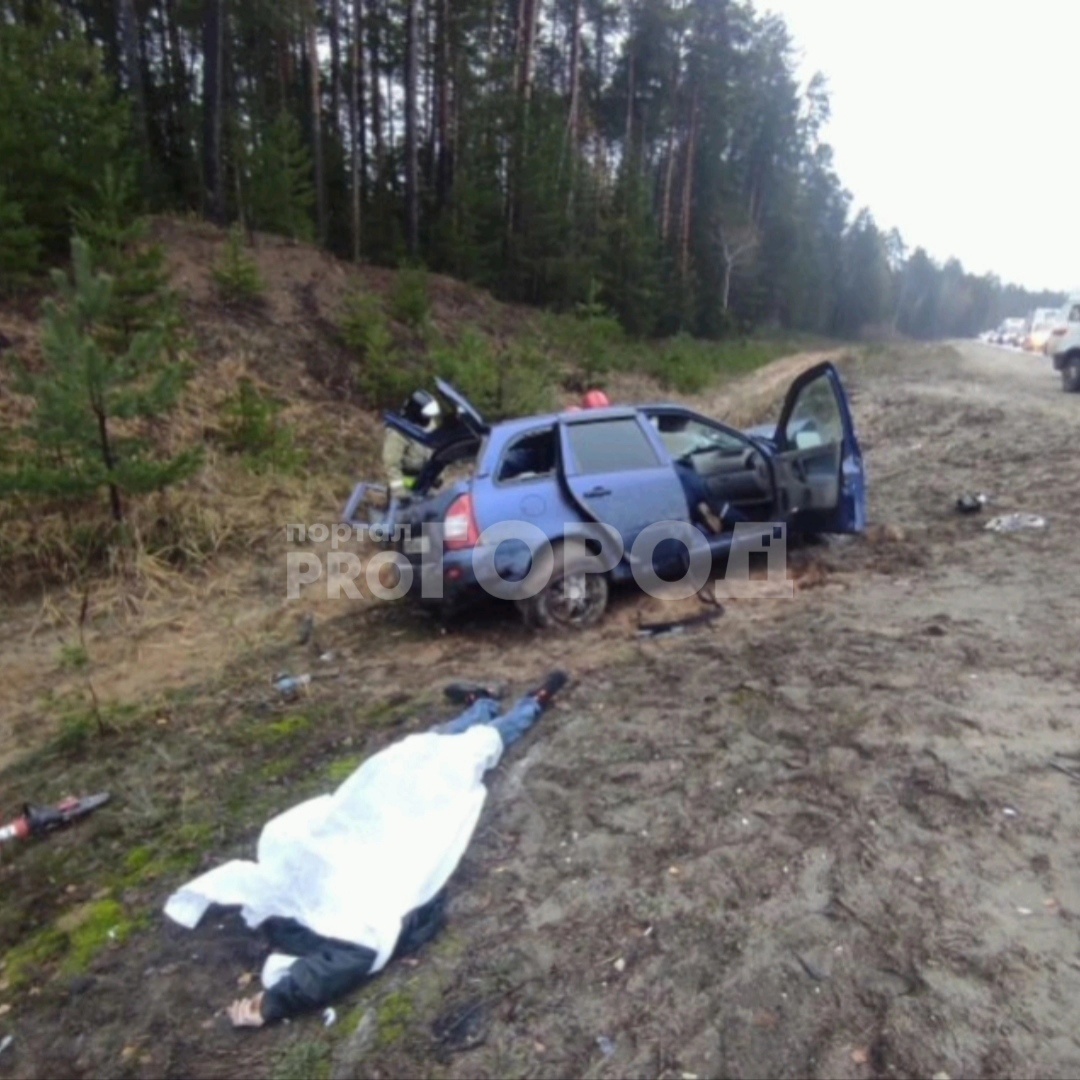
(511, 725)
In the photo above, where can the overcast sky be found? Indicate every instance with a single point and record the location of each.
(953, 120)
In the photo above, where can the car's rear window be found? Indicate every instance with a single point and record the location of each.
(605, 446)
(528, 457)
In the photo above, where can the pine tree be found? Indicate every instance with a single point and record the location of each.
(90, 398)
(140, 298)
(19, 246)
(60, 120)
(524, 146)
(213, 108)
(630, 268)
(237, 276)
(281, 192)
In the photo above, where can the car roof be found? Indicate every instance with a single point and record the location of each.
(507, 428)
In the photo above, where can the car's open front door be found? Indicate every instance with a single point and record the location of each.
(820, 481)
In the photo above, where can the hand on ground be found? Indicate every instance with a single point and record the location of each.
(246, 1012)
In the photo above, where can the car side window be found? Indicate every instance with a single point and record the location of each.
(684, 436)
(528, 457)
(816, 419)
(608, 446)
(1074, 314)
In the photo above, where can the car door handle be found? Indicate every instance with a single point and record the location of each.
(597, 492)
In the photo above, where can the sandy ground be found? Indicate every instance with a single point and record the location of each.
(825, 840)
(821, 837)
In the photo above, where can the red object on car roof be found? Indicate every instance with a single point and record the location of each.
(595, 399)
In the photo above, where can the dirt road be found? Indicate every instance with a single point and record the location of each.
(823, 840)
(821, 837)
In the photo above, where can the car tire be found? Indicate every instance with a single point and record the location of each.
(553, 609)
(1070, 375)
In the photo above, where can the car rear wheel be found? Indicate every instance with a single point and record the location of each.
(1070, 375)
(571, 600)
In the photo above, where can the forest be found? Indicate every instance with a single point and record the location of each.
(657, 160)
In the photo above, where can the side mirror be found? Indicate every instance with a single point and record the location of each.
(807, 440)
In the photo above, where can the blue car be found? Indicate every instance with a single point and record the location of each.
(610, 472)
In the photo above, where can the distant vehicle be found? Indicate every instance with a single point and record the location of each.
(1043, 323)
(1059, 329)
(1066, 349)
(1011, 332)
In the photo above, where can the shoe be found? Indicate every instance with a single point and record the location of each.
(465, 693)
(970, 504)
(551, 685)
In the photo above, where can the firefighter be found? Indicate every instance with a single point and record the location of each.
(403, 458)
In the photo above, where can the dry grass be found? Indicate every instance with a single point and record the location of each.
(200, 581)
(228, 506)
(743, 401)
(200, 576)
(757, 398)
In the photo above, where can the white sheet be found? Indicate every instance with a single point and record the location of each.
(352, 864)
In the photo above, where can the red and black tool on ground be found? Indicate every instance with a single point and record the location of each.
(38, 820)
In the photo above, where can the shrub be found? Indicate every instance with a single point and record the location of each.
(601, 341)
(253, 429)
(470, 365)
(19, 246)
(236, 276)
(527, 381)
(381, 378)
(684, 364)
(592, 343)
(690, 365)
(515, 382)
(410, 302)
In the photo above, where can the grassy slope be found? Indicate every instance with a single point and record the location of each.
(307, 345)
(178, 651)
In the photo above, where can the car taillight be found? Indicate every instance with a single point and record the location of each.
(460, 530)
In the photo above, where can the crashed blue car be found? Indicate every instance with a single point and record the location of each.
(622, 469)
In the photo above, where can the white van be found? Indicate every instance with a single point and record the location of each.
(1043, 324)
(1065, 347)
